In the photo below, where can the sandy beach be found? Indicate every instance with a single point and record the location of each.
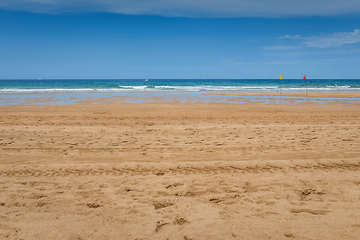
(167, 170)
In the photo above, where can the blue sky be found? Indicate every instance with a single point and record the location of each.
(172, 39)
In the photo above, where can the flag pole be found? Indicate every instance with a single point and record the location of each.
(305, 79)
(306, 89)
(281, 77)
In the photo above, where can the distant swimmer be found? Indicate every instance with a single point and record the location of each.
(335, 85)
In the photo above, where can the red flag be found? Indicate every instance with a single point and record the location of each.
(304, 77)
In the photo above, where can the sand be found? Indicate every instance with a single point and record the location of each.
(309, 94)
(180, 171)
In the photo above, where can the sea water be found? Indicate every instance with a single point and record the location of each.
(69, 91)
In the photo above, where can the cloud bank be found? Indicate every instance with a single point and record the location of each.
(191, 8)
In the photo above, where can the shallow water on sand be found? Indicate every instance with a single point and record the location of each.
(141, 97)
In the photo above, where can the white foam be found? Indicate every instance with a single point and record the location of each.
(205, 88)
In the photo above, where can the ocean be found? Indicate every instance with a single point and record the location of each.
(69, 91)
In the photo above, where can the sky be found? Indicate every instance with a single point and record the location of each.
(138, 39)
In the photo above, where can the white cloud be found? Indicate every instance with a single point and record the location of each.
(280, 47)
(192, 8)
(333, 40)
(327, 41)
(290, 37)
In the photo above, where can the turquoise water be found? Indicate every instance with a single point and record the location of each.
(182, 85)
(65, 91)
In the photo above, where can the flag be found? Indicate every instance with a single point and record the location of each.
(304, 77)
(281, 77)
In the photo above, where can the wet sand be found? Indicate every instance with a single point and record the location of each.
(303, 94)
(180, 171)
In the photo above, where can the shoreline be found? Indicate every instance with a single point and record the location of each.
(189, 97)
